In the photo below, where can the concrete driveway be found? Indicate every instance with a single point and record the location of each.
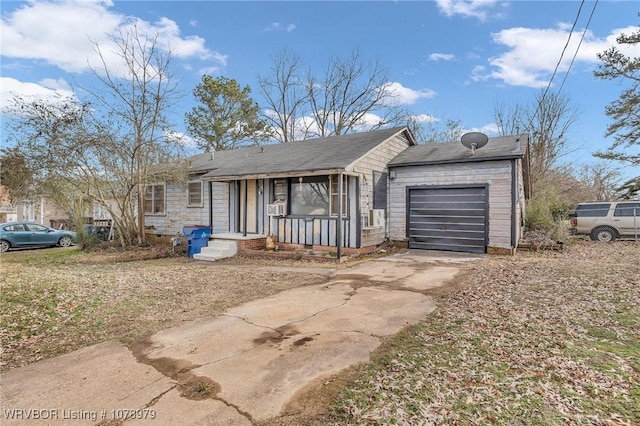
(239, 368)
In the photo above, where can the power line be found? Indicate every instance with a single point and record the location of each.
(544, 94)
(579, 44)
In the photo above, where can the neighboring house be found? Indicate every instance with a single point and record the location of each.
(40, 210)
(47, 212)
(8, 210)
(301, 191)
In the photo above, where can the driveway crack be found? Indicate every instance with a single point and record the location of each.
(277, 330)
(240, 411)
(157, 398)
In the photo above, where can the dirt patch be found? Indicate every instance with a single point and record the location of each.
(190, 386)
(312, 405)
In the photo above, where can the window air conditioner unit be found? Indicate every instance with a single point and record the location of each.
(276, 209)
(376, 218)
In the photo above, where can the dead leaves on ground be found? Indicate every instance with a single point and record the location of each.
(539, 338)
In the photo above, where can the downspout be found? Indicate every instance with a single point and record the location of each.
(339, 224)
(41, 210)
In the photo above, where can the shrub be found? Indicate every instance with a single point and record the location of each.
(548, 219)
(85, 239)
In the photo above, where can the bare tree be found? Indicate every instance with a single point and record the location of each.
(109, 150)
(548, 121)
(285, 95)
(140, 99)
(434, 132)
(349, 95)
(600, 181)
(347, 91)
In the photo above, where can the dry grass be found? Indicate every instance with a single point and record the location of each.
(538, 338)
(53, 301)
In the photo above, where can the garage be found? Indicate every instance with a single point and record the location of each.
(446, 196)
(450, 218)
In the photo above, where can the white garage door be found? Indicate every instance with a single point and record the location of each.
(448, 218)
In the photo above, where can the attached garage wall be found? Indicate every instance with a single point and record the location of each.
(496, 174)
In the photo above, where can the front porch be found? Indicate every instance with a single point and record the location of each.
(228, 244)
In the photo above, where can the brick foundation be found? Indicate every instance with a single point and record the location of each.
(253, 244)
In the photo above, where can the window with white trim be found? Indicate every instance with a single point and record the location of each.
(194, 193)
(334, 179)
(316, 195)
(154, 197)
(29, 213)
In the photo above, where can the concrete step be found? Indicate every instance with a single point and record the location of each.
(217, 249)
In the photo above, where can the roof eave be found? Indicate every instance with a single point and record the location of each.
(458, 160)
(274, 175)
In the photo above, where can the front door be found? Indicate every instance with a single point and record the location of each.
(250, 207)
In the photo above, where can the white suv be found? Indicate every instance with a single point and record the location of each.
(606, 221)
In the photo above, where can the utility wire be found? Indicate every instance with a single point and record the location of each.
(544, 94)
(579, 44)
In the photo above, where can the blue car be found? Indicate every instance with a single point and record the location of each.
(28, 234)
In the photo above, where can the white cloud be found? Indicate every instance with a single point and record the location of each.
(467, 8)
(278, 26)
(406, 96)
(178, 137)
(424, 118)
(490, 129)
(209, 71)
(63, 34)
(441, 56)
(48, 90)
(533, 54)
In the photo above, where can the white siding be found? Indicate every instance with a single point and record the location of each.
(178, 214)
(376, 160)
(220, 199)
(496, 173)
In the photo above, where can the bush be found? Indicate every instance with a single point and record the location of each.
(548, 219)
(85, 239)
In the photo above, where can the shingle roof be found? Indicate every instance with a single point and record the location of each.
(313, 155)
(501, 148)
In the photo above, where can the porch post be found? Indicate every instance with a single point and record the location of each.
(339, 224)
(244, 216)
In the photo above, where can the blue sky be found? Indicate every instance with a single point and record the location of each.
(448, 59)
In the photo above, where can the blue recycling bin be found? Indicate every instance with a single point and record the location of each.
(197, 236)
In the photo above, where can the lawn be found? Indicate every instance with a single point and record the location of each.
(53, 301)
(537, 339)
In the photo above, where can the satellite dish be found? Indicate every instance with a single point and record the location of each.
(474, 140)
